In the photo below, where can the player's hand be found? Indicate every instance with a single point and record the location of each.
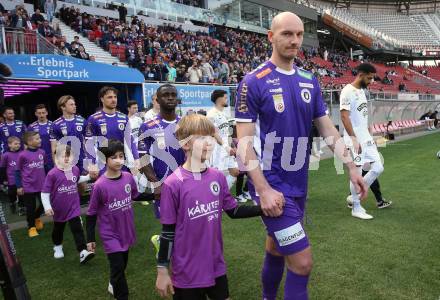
(164, 285)
(93, 171)
(358, 182)
(157, 191)
(49, 212)
(272, 202)
(356, 146)
(91, 247)
(20, 191)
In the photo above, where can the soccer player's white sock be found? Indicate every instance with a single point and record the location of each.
(375, 171)
(231, 180)
(354, 194)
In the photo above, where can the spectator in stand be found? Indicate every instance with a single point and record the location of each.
(161, 71)
(207, 71)
(19, 21)
(57, 30)
(64, 50)
(194, 73)
(149, 74)
(172, 72)
(76, 43)
(81, 53)
(37, 18)
(402, 87)
(49, 8)
(46, 30)
(122, 13)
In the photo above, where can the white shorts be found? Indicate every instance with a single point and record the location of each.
(222, 161)
(369, 154)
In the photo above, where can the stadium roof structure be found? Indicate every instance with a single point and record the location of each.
(399, 5)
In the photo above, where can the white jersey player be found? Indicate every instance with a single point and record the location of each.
(354, 116)
(223, 156)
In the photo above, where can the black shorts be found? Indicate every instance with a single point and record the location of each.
(220, 291)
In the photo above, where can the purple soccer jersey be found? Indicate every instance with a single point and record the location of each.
(44, 130)
(14, 129)
(75, 127)
(195, 205)
(111, 201)
(9, 161)
(112, 127)
(282, 105)
(157, 138)
(31, 163)
(64, 196)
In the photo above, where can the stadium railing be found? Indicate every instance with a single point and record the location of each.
(17, 41)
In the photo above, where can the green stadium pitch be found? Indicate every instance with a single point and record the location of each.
(394, 256)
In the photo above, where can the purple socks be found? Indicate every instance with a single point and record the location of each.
(273, 269)
(296, 286)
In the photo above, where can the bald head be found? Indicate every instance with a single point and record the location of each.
(286, 19)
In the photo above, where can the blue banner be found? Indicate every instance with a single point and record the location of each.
(192, 96)
(66, 68)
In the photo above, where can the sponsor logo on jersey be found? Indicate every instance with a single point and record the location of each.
(120, 204)
(242, 102)
(275, 81)
(67, 188)
(306, 85)
(306, 96)
(290, 235)
(263, 73)
(278, 102)
(215, 188)
(276, 91)
(362, 106)
(305, 74)
(203, 209)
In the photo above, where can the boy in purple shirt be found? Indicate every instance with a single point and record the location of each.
(60, 199)
(192, 201)
(10, 127)
(42, 126)
(111, 206)
(8, 165)
(29, 179)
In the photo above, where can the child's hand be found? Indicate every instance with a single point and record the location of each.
(163, 283)
(93, 175)
(91, 247)
(49, 212)
(20, 191)
(93, 171)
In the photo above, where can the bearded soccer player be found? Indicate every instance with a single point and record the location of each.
(275, 107)
(42, 126)
(11, 127)
(354, 116)
(111, 124)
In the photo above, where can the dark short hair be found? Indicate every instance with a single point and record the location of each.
(104, 90)
(217, 94)
(28, 135)
(366, 68)
(163, 86)
(6, 108)
(131, 103)
(113, 146)
(40, 106)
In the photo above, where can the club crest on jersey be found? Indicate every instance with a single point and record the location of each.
(306, 96)
(278, 102)
(121, 126)
(64, 130)
(103, 128)
(127, 188)
(40, 156)
(18, 129)
(79, 128)
(215, 188)
(74, 178)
